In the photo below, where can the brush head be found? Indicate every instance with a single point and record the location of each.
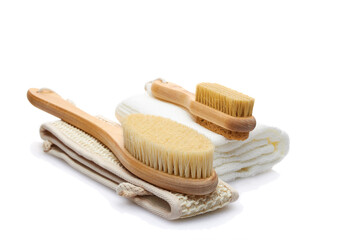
(226, 100)
(168, 146)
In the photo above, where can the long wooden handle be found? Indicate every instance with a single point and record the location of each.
(52, 103)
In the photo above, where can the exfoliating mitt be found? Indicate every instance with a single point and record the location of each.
(89, 156)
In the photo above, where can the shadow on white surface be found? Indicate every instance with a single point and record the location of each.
(127, 208)
(243, 185)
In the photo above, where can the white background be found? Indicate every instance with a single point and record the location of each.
(300, 60)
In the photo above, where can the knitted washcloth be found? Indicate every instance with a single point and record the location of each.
(87, 155)
(233, 159)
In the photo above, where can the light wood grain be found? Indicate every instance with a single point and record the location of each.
(173, 93)
(112, 137)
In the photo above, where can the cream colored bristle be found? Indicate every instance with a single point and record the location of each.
(168, 146)
(224, 99)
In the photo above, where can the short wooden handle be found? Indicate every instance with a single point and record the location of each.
(171, 92)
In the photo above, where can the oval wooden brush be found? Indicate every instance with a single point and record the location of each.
(157, 150)
(220, 109)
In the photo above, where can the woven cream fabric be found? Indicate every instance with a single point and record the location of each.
(89, 156)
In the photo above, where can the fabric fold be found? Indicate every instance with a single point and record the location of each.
(87, 155)
(265, 147)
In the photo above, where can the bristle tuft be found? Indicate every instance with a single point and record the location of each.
(168, 146)
(224, 99)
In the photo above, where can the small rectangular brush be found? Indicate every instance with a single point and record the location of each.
(217, 108)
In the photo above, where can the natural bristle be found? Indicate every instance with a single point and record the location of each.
(224, 99)
(168, 146)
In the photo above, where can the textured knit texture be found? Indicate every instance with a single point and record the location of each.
(233, 159)
(194, 205)
(87, 155)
